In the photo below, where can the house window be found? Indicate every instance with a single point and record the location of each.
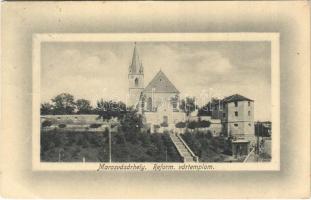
(249, 113)
(174, 100)
(174, 105)
(236, 113)
(236, 104)
(165, 119)
(136, 81)
(236, 125)
(223, 114)
(249, 103)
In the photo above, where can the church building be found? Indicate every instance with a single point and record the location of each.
(158, 101)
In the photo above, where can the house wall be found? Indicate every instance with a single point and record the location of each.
(215, 127)
(134, 95)
(156, 118)
(243, 124)
(159, 99)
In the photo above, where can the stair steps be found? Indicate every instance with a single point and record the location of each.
(183, 149)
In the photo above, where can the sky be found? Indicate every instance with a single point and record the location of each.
(199, 69)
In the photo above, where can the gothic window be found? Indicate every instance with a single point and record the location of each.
(149, 104)
(174, 100)
(136, 81)
(236, 113)
(165, 119)
(236, 104)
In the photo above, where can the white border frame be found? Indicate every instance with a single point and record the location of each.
(158, 37)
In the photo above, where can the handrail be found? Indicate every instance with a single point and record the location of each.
(179, 151)
(188, 148)
(247, 157)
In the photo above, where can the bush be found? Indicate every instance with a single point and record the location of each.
(166, 132)
(62, 126)
(180, 125)
(95, 125)
(94, 147)
(204, 124)
(164, 124)
(192, 125)
(47, 123)
(207, 148)
(156, 126)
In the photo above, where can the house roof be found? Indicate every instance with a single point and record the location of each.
(136, 67)
(160, 83)
(236, 97)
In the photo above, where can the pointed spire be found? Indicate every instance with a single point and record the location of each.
(136, 66)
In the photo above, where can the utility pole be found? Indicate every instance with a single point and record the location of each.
(109, 131)
(59, 155)
(257, 130)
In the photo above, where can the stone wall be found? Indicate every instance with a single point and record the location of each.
(157, 118)
(72, 118)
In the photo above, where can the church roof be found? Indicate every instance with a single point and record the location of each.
(136, 66)
(160, 83)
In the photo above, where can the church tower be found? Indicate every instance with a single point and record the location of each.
(136, 78)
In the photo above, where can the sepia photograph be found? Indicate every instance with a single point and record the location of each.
(155, 101)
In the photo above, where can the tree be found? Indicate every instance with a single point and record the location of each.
(143, 101)
(46, 109)
(164, 124)
(204, 124)
(64, 104)
(110, 109)
(180, 125)
(261, 130)
(188, 105)
(83, 106)
(205, 110)
(47, 123)
(131, 124)
(192, 125)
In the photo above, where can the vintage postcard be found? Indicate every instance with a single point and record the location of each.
(162, 101)
(155, 99)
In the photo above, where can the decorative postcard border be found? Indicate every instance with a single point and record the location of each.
(274, 164)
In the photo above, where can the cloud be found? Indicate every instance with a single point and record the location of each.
(183, 65)
(91, 75)
(212, 62)
(95, 71)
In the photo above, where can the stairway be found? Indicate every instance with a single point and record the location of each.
(183, 149)
(251, 157)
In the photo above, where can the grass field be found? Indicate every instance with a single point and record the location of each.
(93, 147)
